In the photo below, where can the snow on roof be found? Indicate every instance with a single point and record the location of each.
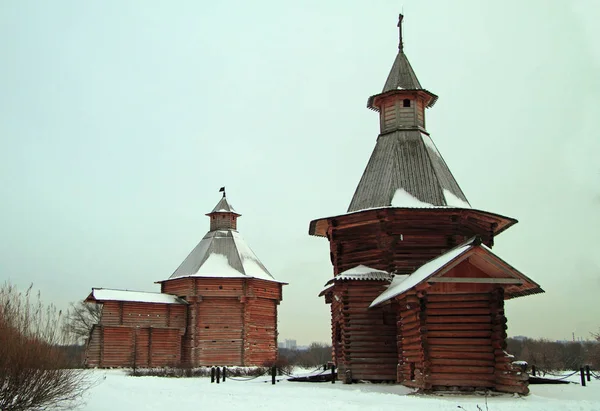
(404, 199)
(453, 201)
(105, 294)
(429, 143)
(216, 265)
(362, 272)
(250, 262)
(400, 285)
(223, 206)
(222, 254)
(358, 273)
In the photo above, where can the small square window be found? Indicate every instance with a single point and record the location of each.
(406, 102)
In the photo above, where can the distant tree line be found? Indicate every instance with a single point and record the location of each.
(556, 355)
(315, 355)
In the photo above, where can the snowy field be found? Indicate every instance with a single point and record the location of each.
(113, 390)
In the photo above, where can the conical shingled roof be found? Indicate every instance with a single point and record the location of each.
(222, 253)
(407, 170)
(223, 206)
(401, 76)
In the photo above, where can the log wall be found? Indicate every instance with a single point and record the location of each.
(260, 339)
(508, 378)
(412, 342)
(364, 339)
(459, 331)
(126, 346)
(219, 332)
(402, 240)
(143, 314)
(228, 321)
(449, 341)
(231, 321)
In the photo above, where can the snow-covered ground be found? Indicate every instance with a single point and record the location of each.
(113, 390)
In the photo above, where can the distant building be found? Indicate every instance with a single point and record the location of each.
(218, 308)
(290, 344)
(418, 295)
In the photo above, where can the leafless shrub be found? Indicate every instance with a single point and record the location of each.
(80, 318)
(33, 372)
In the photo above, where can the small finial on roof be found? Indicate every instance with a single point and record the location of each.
(400, 43)
(222, 189)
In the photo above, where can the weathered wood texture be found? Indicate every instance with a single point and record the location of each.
(456, 340)
(412, 341)
(397, 240)
(137, 334)
(459, 341)
(138, 314)
(227, 322)
(232, 322)
(260, 327)
(364, 340)
(126, 346)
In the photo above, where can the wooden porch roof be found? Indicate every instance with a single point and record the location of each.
(496, 270)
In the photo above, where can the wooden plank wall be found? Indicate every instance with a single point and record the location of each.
(137, 334)
(143, 314)
(368, 335)
(219, 331)
(179, 286)
(229, 321)
(93, 348)
(123, 346)
(232, 322)
(260, 339)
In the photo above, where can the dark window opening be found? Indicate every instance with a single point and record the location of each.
(220, 287)
(412, 371)
(406, 102)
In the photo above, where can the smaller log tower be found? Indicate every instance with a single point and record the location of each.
(218, 308)
(408, 214)
(232, 297)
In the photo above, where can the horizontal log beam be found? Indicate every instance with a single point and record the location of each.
(475, 280)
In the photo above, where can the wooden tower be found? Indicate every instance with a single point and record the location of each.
(218, 308)
(232, 297)
(408, 215)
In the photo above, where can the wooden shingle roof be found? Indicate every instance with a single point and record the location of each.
(223, 206)
(407, 170)
(402, 76)
(222, 254)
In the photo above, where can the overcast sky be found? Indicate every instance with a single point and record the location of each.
(120, 120)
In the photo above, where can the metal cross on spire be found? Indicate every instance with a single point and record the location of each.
(400, 43)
